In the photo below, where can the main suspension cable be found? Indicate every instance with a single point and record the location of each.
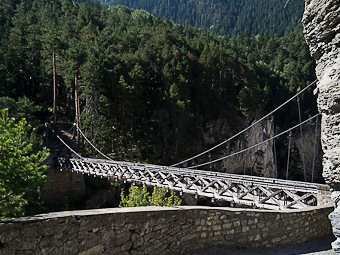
(94, 147)
(247, 128)
(61, 140)
(253, 146)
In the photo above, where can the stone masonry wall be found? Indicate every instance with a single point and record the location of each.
(62, 185)
(321, 23)
(157, 230)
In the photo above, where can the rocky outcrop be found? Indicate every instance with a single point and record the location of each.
(309, 148)
(321, 23)
(258, 161)
(267, 159)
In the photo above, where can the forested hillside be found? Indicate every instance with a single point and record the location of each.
(226, 17)
(144, 87)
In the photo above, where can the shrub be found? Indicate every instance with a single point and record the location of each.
(139, 196)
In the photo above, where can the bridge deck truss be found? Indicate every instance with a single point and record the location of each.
(256, 192)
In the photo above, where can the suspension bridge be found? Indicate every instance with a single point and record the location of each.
(246, 190)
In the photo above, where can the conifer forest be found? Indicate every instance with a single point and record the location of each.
(141, 86)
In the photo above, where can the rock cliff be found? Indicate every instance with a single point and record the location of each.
(268, 159)
(258, 161)
(322, 33)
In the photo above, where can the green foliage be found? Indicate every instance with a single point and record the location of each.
(139, 196)
(159, 198)
(22, 108)
(21, 168)
(136, 197)
(226, 17)
(148, 87)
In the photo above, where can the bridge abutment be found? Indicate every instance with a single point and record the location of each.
(321, 23)
(62, 186)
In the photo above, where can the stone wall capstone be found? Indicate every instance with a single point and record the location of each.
(159, 230)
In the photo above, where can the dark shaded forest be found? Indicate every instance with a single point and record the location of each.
(141, 87)
(226, 17)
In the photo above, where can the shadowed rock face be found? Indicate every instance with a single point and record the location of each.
(321, 23)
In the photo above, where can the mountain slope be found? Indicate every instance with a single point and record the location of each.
(146, 88)
(227, 17)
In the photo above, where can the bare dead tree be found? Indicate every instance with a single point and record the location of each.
(286, 3)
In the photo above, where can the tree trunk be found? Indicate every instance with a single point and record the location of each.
(76, 105)
(54, 88)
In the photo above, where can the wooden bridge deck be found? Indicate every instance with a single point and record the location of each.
(257, 192)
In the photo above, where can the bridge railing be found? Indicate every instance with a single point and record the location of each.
(257, 192)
